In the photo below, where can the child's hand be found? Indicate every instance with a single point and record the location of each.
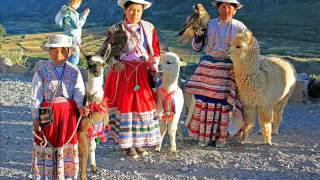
(86, 12)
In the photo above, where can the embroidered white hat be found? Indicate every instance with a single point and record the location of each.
(146, 4)
(58, 40)
(239, 5)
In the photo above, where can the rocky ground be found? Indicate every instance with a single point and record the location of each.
(294, 155)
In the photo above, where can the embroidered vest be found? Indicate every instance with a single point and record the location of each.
(50, 80)
(148, 29)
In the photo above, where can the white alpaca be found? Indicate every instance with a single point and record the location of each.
(94, 94)
(264, 84)
(169, 90)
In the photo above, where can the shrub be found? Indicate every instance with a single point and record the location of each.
(2, 31)
(16, 56)
(83, 62)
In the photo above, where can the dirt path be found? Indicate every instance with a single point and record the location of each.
(295, 155)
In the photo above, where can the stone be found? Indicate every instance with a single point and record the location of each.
(34, 68)
(314, 89)
(5, 64)
(185, 169)
(300, 92)
(18, 69)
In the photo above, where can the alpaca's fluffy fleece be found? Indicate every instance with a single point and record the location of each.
(170, 67)
(264, 84)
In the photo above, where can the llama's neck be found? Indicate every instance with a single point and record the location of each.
(170, 81)
(251, 64)
(95, 85)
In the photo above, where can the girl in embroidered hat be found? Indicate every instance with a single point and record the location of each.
(57, 85)
(213, 83)
(130, 98)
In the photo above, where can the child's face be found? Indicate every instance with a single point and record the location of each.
(75, 5)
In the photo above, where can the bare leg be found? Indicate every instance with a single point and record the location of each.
(93, 156)
(83, 149)
(266, 124)
(172, 130)
(277, 116)
(250, 114)
(163, 129)
(191, 110)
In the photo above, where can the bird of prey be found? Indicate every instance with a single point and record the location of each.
(117, 39)
(198, 21)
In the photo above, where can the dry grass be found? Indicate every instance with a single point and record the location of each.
(91, 42)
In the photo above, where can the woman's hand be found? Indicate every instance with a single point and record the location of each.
(118, 67)
(199, 32)
(84, 111)
(36, 125)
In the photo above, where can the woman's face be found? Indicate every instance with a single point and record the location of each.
(226, 11)
(59, 55)
(134, 13)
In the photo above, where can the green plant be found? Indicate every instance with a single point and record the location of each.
(83, 62)
(16, 56)
(2, 31)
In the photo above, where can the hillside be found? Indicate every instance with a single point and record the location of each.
(286, 27)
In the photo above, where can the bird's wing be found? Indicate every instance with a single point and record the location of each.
(117, 39)
(186, 36)
(190, 22)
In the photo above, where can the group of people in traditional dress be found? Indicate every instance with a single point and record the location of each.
(132, 111)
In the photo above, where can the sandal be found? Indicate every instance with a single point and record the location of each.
(203, 143)
(131, 153)
(220, 144)
(141, 151)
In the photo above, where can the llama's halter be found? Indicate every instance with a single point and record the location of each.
(95, 106)
(168, 105)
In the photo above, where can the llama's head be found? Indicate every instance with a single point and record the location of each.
(170, 63)
(95, 65)
(243, 45)
(96, 62)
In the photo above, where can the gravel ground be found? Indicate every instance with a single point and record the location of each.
(294, 155)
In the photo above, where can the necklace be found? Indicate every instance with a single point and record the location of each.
(135, 70)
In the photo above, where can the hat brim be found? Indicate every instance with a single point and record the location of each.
(47, 47)
(239, 6)
(145, 4)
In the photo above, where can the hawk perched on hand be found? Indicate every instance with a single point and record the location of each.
(198, 21)
(116, 39)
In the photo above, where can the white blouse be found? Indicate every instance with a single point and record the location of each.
(218, 37)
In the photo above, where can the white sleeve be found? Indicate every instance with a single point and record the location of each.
(36, 95)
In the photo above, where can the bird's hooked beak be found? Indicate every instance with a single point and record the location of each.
(195, 8)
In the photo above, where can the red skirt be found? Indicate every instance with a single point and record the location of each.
(64, 123)
(132, 108)
(119, 89)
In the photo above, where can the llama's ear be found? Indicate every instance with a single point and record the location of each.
(107, 54)
(248, 35)
(182, 63)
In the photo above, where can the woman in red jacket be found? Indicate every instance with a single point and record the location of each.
(130, 97)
